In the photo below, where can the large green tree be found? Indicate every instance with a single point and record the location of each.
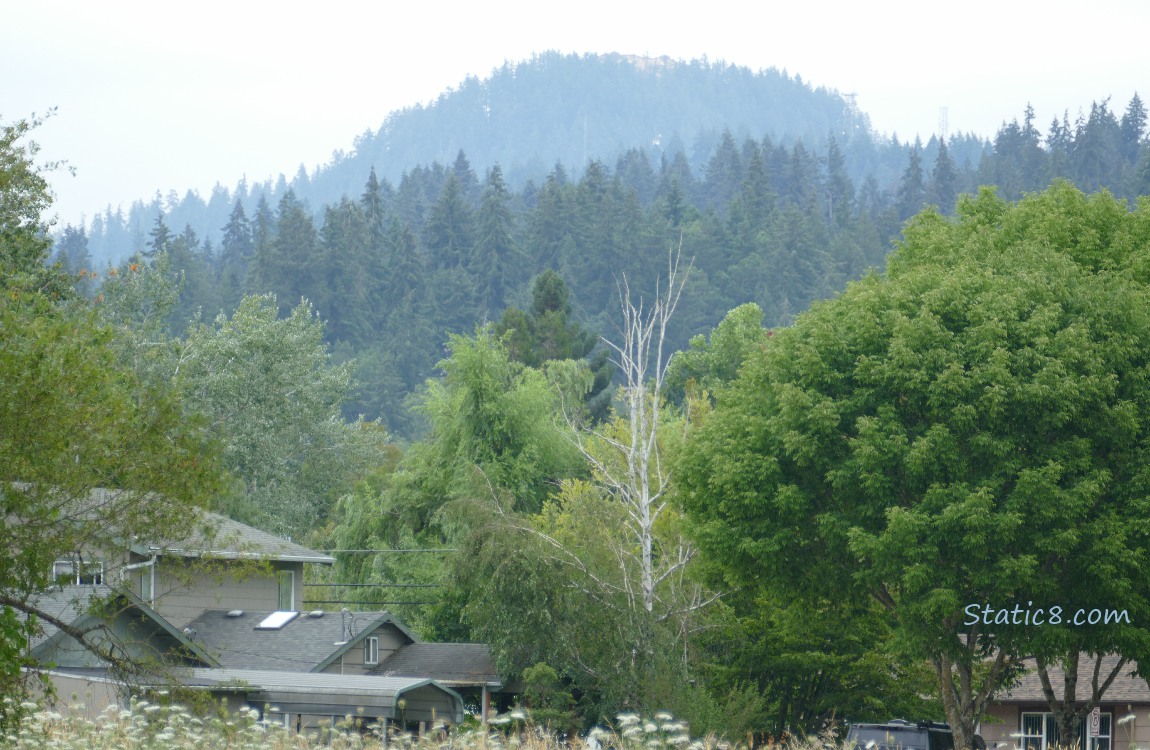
(273, 398)
(73, 419)
(970, 430)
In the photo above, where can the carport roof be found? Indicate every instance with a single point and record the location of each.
(307, 692)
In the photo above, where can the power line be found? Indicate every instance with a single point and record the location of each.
(380, 585)
(381, 551)
(350, 601)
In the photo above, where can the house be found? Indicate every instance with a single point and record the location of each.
(369, 644)
(1020, 717)
(222, 612)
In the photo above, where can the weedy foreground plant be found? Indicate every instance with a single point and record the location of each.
(155, 726)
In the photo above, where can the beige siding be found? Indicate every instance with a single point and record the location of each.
(351, 662)
(89, 698)
(1003, 720)
(182, 592)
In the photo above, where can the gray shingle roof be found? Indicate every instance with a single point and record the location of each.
(65, 603)
(299, 646)
(219, 536)
(335, 693)
(215, 535)
(455, 664)
(136, 626)
(1124, 689)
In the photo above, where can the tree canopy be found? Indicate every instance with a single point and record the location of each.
(73, 419)
(970, 428)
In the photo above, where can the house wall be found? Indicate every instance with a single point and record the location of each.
(184, 589)
(1002, 720)
(85, 697)
(351, 662)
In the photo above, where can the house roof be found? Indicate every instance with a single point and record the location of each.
(455, 664)
(214, 536)
(1126, 688)
(130, 606)
(65, 603)
(315, 692)
(306, 643)
(221, 537)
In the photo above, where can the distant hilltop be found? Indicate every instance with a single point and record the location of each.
(643, 62)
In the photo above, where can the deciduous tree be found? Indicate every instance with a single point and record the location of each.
(972, 428)
(72, 419)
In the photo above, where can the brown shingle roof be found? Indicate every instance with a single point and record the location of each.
(1126, 688)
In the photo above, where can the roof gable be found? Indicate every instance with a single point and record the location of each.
(385, 618)
(131, 616)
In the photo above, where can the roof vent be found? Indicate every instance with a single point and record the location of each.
(236, 613)
(315, 613)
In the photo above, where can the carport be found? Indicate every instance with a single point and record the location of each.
(301, 699)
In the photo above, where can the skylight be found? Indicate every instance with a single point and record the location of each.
(277, 620)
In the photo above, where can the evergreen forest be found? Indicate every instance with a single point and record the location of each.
(458, 307)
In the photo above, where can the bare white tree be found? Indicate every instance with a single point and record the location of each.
(632, 469)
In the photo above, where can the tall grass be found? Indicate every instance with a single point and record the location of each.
(153, 726)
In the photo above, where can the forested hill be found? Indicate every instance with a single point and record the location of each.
(567, 108)
(531, 115)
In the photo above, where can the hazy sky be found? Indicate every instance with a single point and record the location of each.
(157, 96)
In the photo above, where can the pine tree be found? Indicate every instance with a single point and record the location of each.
(943, 188)
(74, 259)
(295, 253)
(1098, 149)
(1133, 127)
(803, 178)
(448, 234)
(724, 173)
(405, 267)
(549, 225)
(197, 288)
(343, 275)
(494, 262)
(839, 189)
(546, 333)
(160, 237)
(237, 253)
(260, 277)
(912, 187)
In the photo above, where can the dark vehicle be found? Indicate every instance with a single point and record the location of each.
(899, 734)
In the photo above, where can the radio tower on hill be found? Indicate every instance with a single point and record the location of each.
(942, 123)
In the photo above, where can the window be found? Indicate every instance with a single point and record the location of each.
(285, 582)
(145, 580)
(371, 650)
(1040, 732)
(75, 571)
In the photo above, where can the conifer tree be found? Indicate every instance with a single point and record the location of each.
(839, 189)
(295, 253)
(494, 261)
(160, 237)
(237, 253)
(943, 187)
(912, 187)
(448, 234)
